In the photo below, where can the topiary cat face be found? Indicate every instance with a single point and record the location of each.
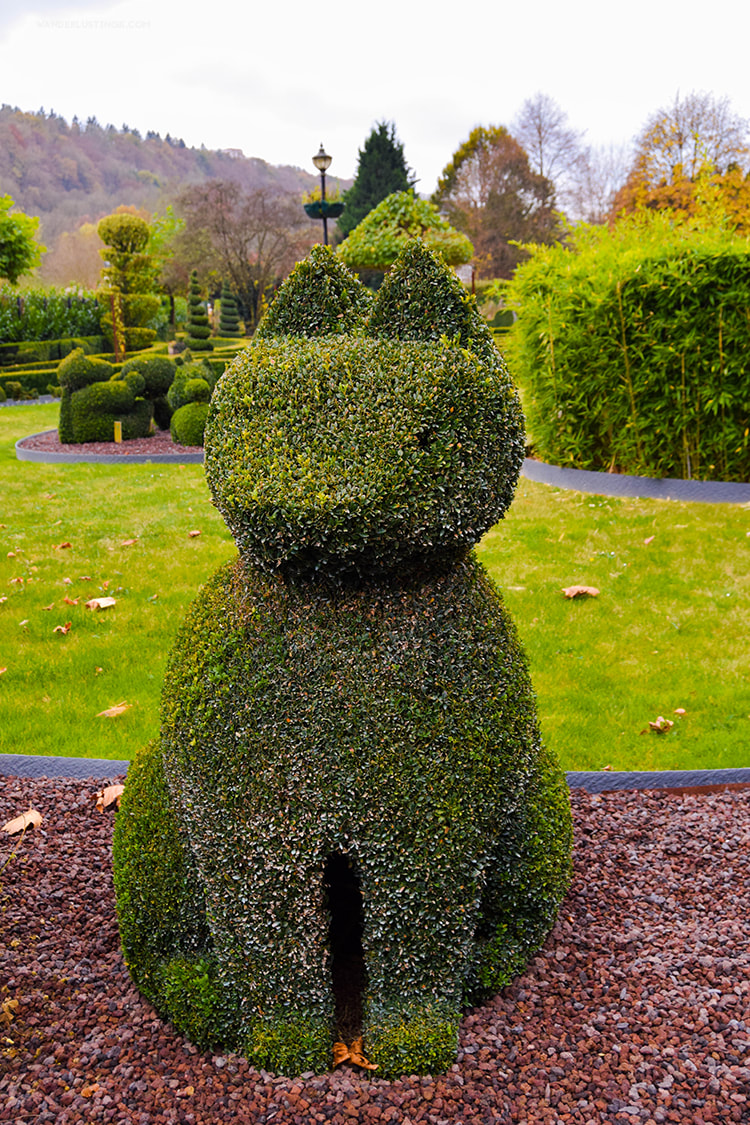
(347, 455)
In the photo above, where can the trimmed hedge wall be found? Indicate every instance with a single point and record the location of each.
(48, 350)
(634, 356)
(348, 694)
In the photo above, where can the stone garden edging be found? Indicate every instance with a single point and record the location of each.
(601, 781)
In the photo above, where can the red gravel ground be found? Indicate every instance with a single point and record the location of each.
(637, 1010)
(160, 442)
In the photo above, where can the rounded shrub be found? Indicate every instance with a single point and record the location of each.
(188, 422)
(185, 374)
(95, 409)
(158, 372)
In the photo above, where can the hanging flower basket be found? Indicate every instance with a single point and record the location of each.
(323, 208)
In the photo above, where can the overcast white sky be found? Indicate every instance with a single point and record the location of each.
(277, 78)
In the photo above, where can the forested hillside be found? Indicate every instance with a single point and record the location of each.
(70, 174)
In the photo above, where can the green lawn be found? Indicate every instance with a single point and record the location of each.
(668, 630)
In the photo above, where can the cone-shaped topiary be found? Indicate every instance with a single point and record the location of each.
(198, 328)
(362, 829)
(229, 317)
(319, 298)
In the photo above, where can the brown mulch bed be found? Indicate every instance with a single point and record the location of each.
(159, 443)
(636, 1010)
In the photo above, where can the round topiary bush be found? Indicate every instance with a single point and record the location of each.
(188, 423)
(362, 831)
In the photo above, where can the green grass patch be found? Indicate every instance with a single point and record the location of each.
(668, 630)
(56, 684)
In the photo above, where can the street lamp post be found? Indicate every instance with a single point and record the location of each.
(322, 161)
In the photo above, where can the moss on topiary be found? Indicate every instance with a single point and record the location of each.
(349, 694)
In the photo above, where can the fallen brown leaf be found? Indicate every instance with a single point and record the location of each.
(192, 534)
(649, 540)
(49, 496)
(11, 554)
(187, 1092)
(577, 591)
(661, 725)
(84, 577)
(50, 606)
(63, 628)
(680, 711)
(18, 580)
(113, 712)
(3, 599)
(128, 542)
(106, 796)
(100, 603)
(62, 546)
(19, 823)
(70, 601)
(3, 670)
(353, 1054)
(8, 1008)
(89, 1089)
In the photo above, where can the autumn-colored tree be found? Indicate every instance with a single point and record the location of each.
(489, 191)
(251, 238)
(697, 138)
(74, 259)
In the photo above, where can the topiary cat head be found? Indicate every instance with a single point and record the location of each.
(394, 446)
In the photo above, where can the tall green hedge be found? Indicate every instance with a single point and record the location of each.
(349, 693)
(632, 348)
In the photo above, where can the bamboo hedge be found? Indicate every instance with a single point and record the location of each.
(632, 347)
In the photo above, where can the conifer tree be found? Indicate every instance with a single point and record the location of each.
(381, 171)
(198, 328)
(229, 321)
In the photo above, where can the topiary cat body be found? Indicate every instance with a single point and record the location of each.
(349, 691)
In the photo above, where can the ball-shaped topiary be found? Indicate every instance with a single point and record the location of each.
(158, 372)
(350, 771)
(188, 422)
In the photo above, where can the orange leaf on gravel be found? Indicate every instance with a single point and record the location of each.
(106, 796)
(63, 628)
(580, 591)
(32, 817)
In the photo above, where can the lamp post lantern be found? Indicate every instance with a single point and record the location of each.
(322, 160)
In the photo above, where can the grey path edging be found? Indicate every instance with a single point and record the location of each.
(50, 458)
(603, 781)
(615, 484)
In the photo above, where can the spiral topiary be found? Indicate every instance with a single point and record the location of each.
(350, 775)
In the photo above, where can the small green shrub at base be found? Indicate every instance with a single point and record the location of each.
(288, 1045)
(417, 1041)
(188, 424)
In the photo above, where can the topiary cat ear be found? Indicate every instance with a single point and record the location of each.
(321, 297)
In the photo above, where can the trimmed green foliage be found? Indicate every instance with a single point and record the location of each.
(351, 690)
(158, 373)
(383, 234)
(202, 371)
(198, 328)
(46, 315)
(319, 298)
(95, 409)
(188, 423)
(74, 373)
(351, 455)
(229, 317)
(632, 349)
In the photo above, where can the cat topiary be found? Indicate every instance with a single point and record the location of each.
(362, 829)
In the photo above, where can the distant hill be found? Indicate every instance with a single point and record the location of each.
(71, 174)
